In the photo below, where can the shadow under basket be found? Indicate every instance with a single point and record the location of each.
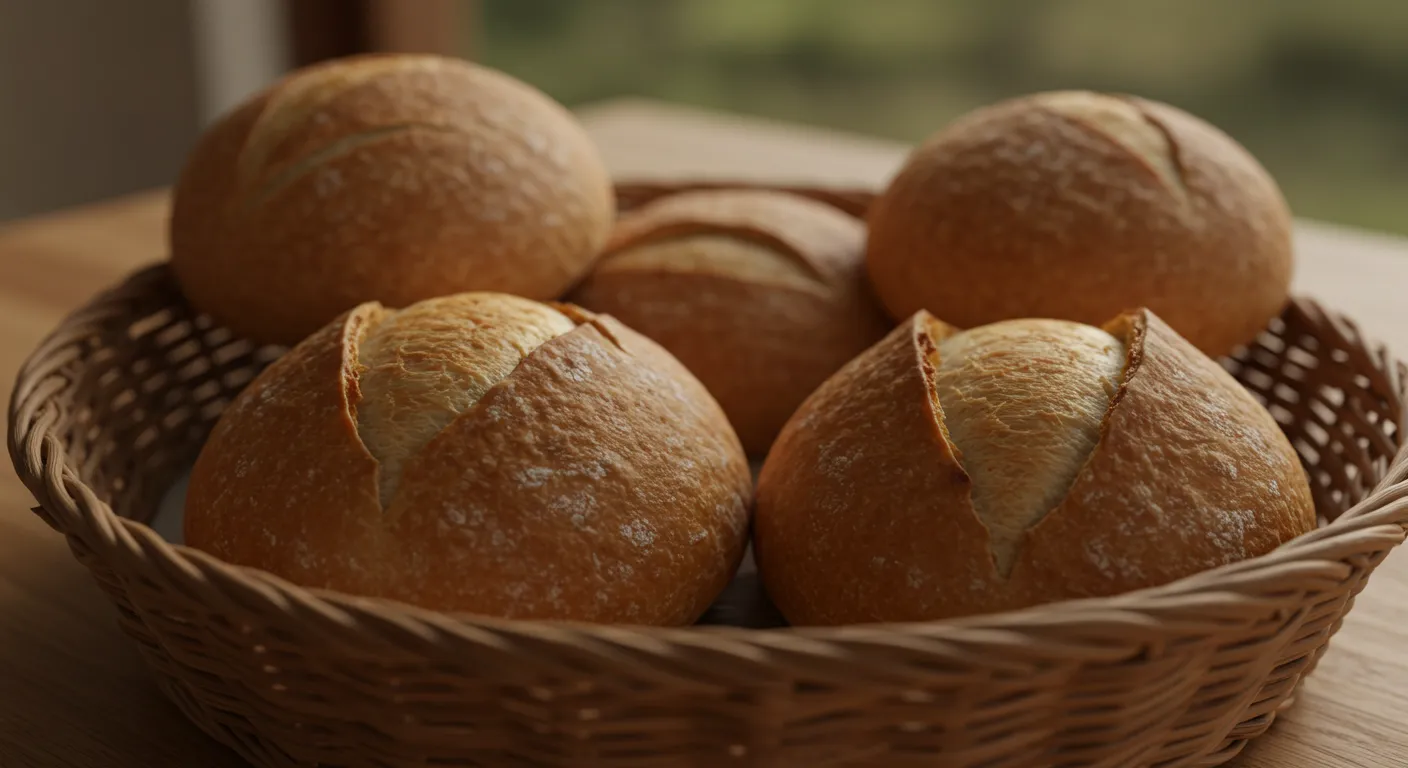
(116, 402)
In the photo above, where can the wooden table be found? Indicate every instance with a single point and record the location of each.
(73, 693)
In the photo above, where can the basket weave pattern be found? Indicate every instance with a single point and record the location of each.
(113, 406)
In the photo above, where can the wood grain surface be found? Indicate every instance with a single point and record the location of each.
(74, 694)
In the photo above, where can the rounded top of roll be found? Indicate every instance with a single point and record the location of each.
(1079, 205)
(390, 178)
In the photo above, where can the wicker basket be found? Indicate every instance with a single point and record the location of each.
(115, 403)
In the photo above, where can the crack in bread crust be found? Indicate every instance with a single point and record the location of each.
(1024, 402)
(732, 255)
(818, 240)
(420, 368)
(297, 100)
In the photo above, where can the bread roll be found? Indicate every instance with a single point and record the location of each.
(481, 453)
(1079, 206)
(946, 473)
(760, 294)
(388, 178)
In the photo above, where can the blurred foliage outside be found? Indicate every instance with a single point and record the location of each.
(1317, 90)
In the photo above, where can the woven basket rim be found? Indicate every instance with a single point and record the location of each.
(1381, 518)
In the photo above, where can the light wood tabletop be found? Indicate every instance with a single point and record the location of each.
(74, 694)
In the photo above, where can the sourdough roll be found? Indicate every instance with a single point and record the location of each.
(389, 178)
(1079, 205)
(761, 294)
(944, 473)
(482, 453)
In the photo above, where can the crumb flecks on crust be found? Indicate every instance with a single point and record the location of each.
(421, 367)
(865, 512)
(736, 256)
(582, 486)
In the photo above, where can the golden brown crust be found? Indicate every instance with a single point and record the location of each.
(815, 235)
(390, 178)
(597, 482)
(284, 479)
(858, 515)
(421, 367)
(1024, 402)
(864, 512)
(760, 340)
(1190, 473)
(1046, 207)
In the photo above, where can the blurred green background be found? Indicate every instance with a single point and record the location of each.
(1317, 90)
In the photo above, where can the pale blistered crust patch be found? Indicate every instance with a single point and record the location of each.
(864, 512)
(719, 255)
(820, 241)
(1023, 402)
(597, 482)
(420, 368)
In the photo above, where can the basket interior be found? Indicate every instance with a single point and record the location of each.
(146, 384)
(1336, 405)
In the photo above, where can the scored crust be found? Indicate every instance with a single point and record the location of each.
(597, 482)
(391, 178)
(1079, 206)
(864, 509)
(1023, 402)
(819, 238)
(762, 295)
(421, 367)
